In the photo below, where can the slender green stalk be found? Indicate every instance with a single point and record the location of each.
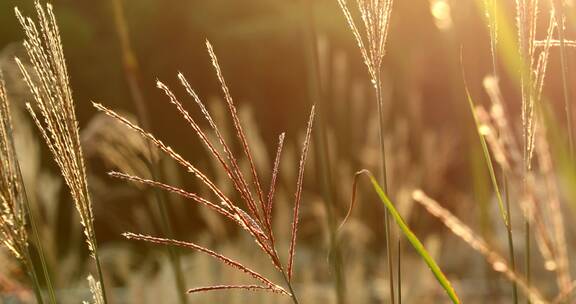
(410, 236)
(509, 234)
(503, 207)
(29, 265)
(131, 69)
(40, 249)
(99, 270)
(388, 233)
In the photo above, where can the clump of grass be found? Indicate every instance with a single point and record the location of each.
(371, 40)
(256, 217)
(12, 213)
(54, 113)
(13, 232)
(458, 228)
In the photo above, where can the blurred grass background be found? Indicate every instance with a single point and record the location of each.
(261, 47)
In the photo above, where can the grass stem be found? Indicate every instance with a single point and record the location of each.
(321, 143)
(388, 233)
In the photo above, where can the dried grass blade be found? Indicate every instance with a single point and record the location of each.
(298, 195)
(243, 287)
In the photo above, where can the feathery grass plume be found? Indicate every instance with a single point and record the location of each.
(256, 218)
(54, 113)
(14, 209)
(541, 205)
(498, 263)
(95, 290)
(13, 232)
(375, 16)
(559, 8)
(534, 54)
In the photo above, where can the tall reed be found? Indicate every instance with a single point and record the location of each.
(256, 217)
(50, 87)
(371, 40)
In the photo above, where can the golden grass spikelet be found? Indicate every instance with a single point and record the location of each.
(534, 54)
(13, 233)
(95, 290)
(458, 228)
(256, 218)
(375, 16)
(55, 106)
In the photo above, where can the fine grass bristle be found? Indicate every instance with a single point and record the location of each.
(375, 16)
(269, 285)
(55, 106)
(257, 218)
(298, 198)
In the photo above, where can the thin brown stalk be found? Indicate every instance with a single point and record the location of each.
(228, 287)
(298, 198)
(225, 260)
(273, 181)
